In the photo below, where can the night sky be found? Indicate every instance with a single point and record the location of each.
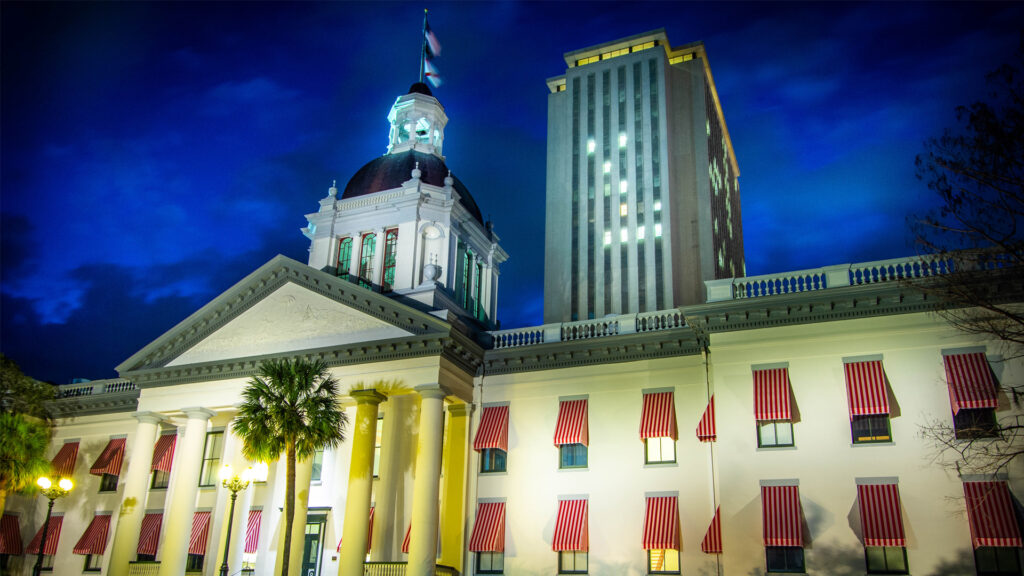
(153, 154)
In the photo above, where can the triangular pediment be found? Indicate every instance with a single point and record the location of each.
(283, 307)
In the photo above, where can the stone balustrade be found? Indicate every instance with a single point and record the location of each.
(96, 387)
(588, 329)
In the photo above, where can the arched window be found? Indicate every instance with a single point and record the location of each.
(344, 257)
(390, 255)
(366, 259)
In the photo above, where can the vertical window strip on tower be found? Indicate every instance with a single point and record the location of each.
(659, 275)
(369, 246)
(344, 257)
(638, 152)
(575, 267)
(606, 176)
(387, 281)
(591, 221)
(623, 221)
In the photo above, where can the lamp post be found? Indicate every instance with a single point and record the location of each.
(52, 492)
(236, 484)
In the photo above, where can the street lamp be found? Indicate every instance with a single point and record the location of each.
(230, 480)
(52, 492)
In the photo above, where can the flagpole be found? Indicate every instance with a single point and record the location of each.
(423, 46)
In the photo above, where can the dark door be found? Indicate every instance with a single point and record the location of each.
(312, 546)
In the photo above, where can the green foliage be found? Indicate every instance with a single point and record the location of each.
(20, 394)
(290, 401)
(23, 443)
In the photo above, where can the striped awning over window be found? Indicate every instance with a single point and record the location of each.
(149, 534)
(94, 540)
(880, 515)
(493, 430)
(10, 535)
(572, 423)
(52, 537)
(489, 530)
(163, 452)
(990, 510)
(661, 523)
(712, 543)
(706, 427)
(865, 388)
(658, 419)
(252, 531)
(405, 541)
(771, 394)
(369, 533)
(781, 516)
(970, 381)
(63, 464)
(110, 459)
(200, 531)
(571, 530)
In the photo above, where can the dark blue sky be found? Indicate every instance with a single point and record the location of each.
(153, 154)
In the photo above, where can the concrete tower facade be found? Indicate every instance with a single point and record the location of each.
(642, 185)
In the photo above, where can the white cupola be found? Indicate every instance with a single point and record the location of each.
(417, 122)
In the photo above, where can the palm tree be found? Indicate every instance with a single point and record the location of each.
(291, 406)
(25, 420)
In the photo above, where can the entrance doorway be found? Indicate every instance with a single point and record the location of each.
(313, 544)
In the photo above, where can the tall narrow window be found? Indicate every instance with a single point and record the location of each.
(366, 253)
(659, 276)
(620, 76)
(377, 445)
(638, 198)
(318, 466)
(478, 276)
(390, 255)
(467, 264)
(591, 207)
(574, 297)
(211, 458)
(344, 257)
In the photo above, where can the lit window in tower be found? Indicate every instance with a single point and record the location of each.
(624, 235)
(607, 237)
(591, 146)
(639, 232)
(623, 186)
(607, 166)
(657, 230)
(657, 205)
(623, 209)
(622, 140)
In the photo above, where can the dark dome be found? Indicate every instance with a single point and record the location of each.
(391, 170)
(420, 88)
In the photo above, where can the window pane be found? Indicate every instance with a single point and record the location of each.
(573, 456)
(653, 449)
(985, 559)
(875, 556)
(668, 449)
(671, 561)
(318, 465)
(566, 561)
(784, 433)
(766, 433)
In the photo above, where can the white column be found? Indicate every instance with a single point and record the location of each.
(390, 449)
(426, 485)
(133, 501)
(378, 259)
(219, 518)
(179, 510)
(360, 483)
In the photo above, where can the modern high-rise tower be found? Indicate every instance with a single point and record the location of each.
(643, 201)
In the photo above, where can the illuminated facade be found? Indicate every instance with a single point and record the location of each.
(643, 198)
(771, 427)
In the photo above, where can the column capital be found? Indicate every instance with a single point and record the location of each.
(149, 417)
(368, 396)
(431, 390)
(197, 413)
(460, 409)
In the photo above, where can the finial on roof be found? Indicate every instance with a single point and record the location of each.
(448, 180)
(333, 190)
(416, 173)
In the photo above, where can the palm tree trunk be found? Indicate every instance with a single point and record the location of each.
(289, 505)
(3, 500)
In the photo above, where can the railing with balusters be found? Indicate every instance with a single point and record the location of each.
(589, 329)
(398, 569)
(96, 387)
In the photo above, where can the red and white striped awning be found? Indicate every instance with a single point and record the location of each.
(163, 452)
(493, 430)
(489, 530)
(94, 540)
(880, 515)
(571, 530)
(990, 510)
(200, 532)
(52, 537)
(865, 388)
(572, 423)
(661, 523)
(252, 531)
(706, 427)
(405, 541)
(771, 394)
(149, 534)
(63, 464)
(369, 533)
(781, 516)
(970, 381)
(110, 459)
(658, 419)
(10, 535)
(712, 542)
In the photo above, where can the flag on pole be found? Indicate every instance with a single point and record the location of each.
(431, 73)
(433, 46)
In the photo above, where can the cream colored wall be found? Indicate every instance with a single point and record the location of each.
(616, 480)
(824, 460)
